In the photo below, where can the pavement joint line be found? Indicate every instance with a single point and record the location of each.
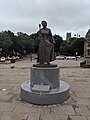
(14, 107)
(88, 107)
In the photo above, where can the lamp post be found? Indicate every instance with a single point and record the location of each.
(77, 35)
(76, 55)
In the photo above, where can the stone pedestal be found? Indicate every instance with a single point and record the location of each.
(45, 76)
(45, 88)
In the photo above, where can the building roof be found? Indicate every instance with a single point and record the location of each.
(88, 35)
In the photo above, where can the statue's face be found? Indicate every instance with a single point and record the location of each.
(44, 24)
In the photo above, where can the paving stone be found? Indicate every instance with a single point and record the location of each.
(76, 88)
(4, 97)
(63, 110)
(53, 117)
(25, 108)
(13, 116)
(88, 107)
(43, 110)
(78, 117)
(82, 85)
(88, 117)
(34, 116)
(62, 117)
(82, 94)
(1, 115)
(82, 101)
(82, 110)
(15, 89)
(11, 79)
(7, 106)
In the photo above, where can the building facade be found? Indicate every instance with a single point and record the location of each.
(68, 36)
(87, 45)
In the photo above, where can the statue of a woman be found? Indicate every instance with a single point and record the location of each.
(46, 45)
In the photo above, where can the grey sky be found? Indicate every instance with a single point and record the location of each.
(62, 15)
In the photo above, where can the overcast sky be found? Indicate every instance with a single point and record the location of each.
(62, 15)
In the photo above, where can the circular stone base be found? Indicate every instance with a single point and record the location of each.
(55, 96)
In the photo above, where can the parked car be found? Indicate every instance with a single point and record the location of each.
(17, 57)
(70, 57)
(2, 59)
(8, 58)
(60, 57)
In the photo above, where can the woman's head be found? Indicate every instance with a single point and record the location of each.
(44, 24)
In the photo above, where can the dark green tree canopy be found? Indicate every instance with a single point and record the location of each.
(72, 46)
(20, 42)
(58, 41)
(77, 45)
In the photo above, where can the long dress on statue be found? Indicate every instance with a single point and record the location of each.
(46, 47)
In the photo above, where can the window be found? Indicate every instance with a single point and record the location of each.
(89, 52)
(88, 44)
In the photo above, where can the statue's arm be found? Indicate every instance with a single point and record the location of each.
(50, 33)
(52, 39)
(38, 36)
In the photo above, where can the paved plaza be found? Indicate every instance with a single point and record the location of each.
(77, 107)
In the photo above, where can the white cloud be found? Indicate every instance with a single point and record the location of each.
(62, 15)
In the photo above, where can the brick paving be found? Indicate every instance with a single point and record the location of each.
(77, 107)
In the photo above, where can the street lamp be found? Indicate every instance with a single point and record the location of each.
(77, 35)
(76, 55)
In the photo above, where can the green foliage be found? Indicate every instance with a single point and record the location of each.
(72, 46)
(65, 48)
(58, 41)
(77, 45)
(21, 42)
(35, 42)
(5, 42)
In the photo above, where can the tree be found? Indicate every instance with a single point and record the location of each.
(65, 48)
(77, 45)
(22, 42)
(35, 42)
(10, 42)
(72, 46)
(5, 42)
(12, 36)
(58, 41)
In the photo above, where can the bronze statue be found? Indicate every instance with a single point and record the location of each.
(46, 45)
